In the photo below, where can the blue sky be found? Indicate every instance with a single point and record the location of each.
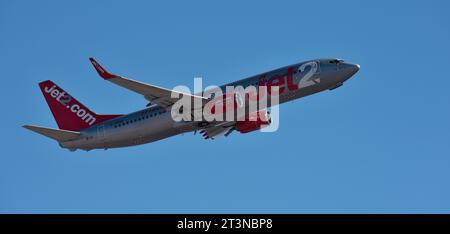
(379, 144)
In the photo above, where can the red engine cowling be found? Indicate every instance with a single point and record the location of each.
(255, 121)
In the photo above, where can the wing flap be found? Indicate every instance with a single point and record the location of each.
(224, 128)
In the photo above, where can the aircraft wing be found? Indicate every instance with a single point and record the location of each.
(152, 93)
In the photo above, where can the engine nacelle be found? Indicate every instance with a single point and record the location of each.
(255, 121)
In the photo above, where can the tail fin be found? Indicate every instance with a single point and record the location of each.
(68, 112)
(55, 134)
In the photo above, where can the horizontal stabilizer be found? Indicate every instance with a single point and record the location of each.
(55, 134)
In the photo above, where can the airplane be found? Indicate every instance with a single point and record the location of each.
(81, 128)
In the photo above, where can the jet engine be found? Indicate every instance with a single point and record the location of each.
(255, 121)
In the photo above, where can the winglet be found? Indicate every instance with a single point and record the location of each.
(101, 71)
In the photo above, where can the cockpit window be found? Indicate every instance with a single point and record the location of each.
(336, 61)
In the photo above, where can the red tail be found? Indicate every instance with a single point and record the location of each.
(67, 111)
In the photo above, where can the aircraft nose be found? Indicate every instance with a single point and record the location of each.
(356, 67)
(351, 69)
